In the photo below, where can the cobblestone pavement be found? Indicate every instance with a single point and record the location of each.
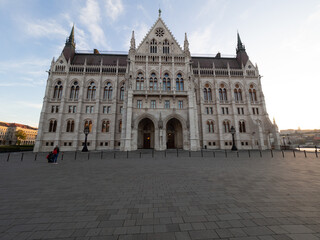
(161, 197)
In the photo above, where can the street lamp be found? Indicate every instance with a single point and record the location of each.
(86, 132)
(233, 131)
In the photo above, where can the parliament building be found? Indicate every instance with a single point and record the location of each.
(156, 96)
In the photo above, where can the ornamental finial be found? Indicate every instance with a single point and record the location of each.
(159, 12)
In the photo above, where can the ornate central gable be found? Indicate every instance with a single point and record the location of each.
(159, 40)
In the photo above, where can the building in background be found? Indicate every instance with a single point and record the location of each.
(8, 130)
(156, 96)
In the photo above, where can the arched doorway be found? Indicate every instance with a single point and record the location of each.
(146, 134)
(174, 134)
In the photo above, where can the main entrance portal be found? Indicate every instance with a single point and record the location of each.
(174, 134)
(146, 134)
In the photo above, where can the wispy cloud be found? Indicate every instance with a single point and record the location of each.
(114, 8)
(45, 28)
(90, 17)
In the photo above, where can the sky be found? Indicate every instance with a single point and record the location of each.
(282, 37)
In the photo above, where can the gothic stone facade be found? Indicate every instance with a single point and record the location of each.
(156, 96)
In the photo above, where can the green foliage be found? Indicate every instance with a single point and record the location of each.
(13, 148)
(21, 135)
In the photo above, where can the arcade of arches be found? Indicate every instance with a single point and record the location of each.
(146, 134)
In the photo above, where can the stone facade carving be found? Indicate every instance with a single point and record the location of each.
(156, 96)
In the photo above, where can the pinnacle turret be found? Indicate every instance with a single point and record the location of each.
(240, 46)
(132, 42)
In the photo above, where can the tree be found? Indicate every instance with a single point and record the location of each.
(21, 135)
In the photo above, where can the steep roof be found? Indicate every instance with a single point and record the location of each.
(95, 59)
(207, 62)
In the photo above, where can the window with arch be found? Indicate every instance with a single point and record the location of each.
(53, 126)
(166, 47)
(91, 91)
(153, 83)
(207, 93)
(74, 92)
(139, 81)
(242, 126)
(252, 94)
(223, 93)
(226, 126)
(166, 82)
(57, 92)
(88, 123)
(70, 126)
(210, 125)
(107, 91)
(153, 46)
(237, 93)
(105, 126)
(122, 92)
(179, 83)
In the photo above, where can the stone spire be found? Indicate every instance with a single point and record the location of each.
(159, 13)
(133, 42)
(70, 46)
(240, 46)
(242, 56)
(70, 39)
(186, 44)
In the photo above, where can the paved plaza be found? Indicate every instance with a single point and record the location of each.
(172, 195)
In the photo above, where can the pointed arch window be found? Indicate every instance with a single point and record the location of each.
(107, 92)
(207, 93)
(57, 92)
(122, 92)
(242, 126)
(237, 93)
(70, 126)
(252, 94)
(105, 126)
(53, 126)
(166, 83)
(223, 93)
(74, 91)
(226, 126)
(153, 83)
(139, 81)
(210, 125)
(179, 82)
(153, 46)
(91, 91)
(166, 47)
(88, 123)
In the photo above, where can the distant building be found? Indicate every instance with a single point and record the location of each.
(293, 137)
(157, 96)
(8, 137)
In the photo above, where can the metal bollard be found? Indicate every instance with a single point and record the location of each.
(177, 152)
(271, 153)
(305, 153)
(75, 155)
(101, 155)
(128, 154)
(189, 153)
(8, 157)
(294, 153)
(237, 154)
(249, 153)
(114, 154)
(140, 154)
(152, 153)
(282, 153)
(260, 153)
(22, 157)
(214, 154)
(225, 152)
(35, 157)
(88, 156)
(201, 153)
(62, 156)
(316, 152)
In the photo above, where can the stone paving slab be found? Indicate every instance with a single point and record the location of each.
(158, 195)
